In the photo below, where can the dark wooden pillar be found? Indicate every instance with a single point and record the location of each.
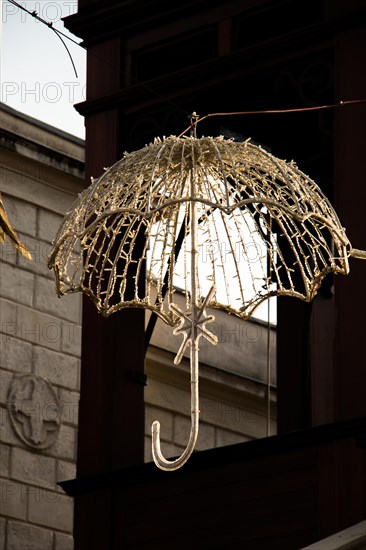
(338, 367)
(293, 395)
(338, 325)
(321, 368)
(350, 146)
(111, 418)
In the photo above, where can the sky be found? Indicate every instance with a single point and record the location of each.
(37, 75)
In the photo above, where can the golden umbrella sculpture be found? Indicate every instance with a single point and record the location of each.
(220, 200)
(6, 230)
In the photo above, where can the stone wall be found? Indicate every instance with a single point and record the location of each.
(41, 174)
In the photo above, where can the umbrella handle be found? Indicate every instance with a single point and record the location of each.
(160, 461)
(192, 332)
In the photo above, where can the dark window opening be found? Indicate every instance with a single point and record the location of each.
(275, 21)
(174, 55)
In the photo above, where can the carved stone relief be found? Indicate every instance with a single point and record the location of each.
(34, 410)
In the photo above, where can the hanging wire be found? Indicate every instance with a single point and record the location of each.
(274, 111)
(59, 33)
(49, 24)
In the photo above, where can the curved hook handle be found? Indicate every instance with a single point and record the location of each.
(169, 465)
(160, 461)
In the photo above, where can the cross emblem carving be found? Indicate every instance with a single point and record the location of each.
(34, 410)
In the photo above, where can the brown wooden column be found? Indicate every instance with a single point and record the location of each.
(111, 405)
(111, 417)
(350, 147)
(338, 325)
(293, 392)
(321, 368)
(339, 379)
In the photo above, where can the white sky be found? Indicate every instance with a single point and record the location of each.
(37, 76)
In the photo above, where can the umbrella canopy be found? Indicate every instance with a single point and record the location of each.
(226, 222)
(133, 216)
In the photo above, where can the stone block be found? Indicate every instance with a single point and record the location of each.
(23, 536)
(15, 354)
(225, 437)
(4, 460)
(38, 328)
(16, 173)
(57, 368)
(16, 285)
(5, 381)
(50, 509)
(46, 299)
(166, 396)
(29, 186)
(3, 529)
(182, 425)
(65, 470)
(164, 417)
(8, 253)
(22, 215)
(33, 468)
(71, 338)
(233, 417)
(63, 542)
(40, 251)
(48, 224)
(8, 318)
(206, 437)
(7, 432)
(13, 499)
(65, 446)
(69, 406)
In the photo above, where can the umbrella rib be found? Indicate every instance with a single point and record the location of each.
(153, 318)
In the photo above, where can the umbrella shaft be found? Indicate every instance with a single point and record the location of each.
(194, 250)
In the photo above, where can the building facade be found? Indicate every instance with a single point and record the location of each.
(151, 64)
(42, 170)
